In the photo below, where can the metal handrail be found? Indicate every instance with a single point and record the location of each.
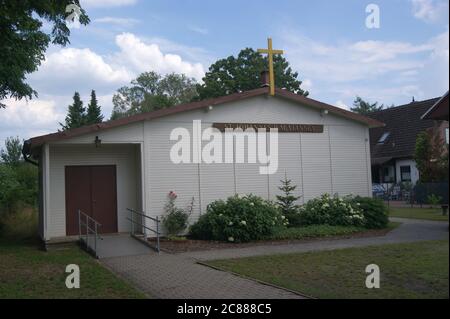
(89, 230)
(134, 222)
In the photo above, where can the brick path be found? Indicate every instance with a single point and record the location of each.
(179, 276)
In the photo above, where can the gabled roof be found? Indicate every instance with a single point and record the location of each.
(403, 123)
(439, 111)
(40, 140)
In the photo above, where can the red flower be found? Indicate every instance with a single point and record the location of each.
(172, 195)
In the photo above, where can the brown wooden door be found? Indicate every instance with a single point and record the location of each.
(93, 190)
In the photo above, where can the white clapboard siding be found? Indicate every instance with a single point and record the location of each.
(348, 158)
(123, 156)
(163, 175)
(216, 179)
(131, 133)
(289, 165)
(315, 154)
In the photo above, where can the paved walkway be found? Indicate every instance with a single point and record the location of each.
(180, 276)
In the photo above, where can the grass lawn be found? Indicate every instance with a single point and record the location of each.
(418, 213)
(27, 272)
(413, 270)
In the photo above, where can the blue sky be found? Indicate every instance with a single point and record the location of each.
(327, 42)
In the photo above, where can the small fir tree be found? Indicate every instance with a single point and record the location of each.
(286, 202)
(94, 111)
(76, 114)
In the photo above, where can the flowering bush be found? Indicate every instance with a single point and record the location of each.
(238, 219)
(175, 219)
(331, 211)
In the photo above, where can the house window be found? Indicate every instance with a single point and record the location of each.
(405, 173)
(446, 135)
(383, 137)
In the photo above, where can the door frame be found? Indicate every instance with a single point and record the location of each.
(116, 219)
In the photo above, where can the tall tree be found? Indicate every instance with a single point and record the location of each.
(242, 73)
(23, 42)
(431, 156)
(363, 107)
(151, 91)
(76, 114)
(12, 153)
(94, 111)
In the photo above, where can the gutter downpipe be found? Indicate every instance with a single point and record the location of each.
(26, 153)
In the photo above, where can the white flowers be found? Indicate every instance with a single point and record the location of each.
(252, 204)
(231, 239)
(243, 222)
(230, 224)
(283, 217)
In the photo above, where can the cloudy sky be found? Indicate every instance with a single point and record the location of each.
(327, 42)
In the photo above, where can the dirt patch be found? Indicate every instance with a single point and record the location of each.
(181, 246)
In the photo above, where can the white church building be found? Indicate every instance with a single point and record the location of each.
(134, 162)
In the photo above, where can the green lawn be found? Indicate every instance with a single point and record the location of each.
(415, 270)
(27, 272)
(418, 213)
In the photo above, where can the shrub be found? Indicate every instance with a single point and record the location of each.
(175, 220)
(286, 201)
(374, 210)
(327, 210)
(434, 199)
(238, 219)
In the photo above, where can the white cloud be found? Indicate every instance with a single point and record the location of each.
(342, 105)
(106, 3)
(430, 11)
(385, 71)
(141, 56)
(121, 22)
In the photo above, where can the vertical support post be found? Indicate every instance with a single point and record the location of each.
(95, 239)
(79, 225)
(132, 222)
(157, 233)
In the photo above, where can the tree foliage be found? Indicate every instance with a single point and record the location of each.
(18, 179)
(12, 153)
(94, 111)
(363, 107)
(76, 116)
(23, 42)
(150, 91)
(242, 73)
(431, 156)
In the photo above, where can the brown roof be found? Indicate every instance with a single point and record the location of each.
(439, 111)
(40, 140)
(403, 123)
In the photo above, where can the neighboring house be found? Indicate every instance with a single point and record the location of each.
(393, 146)
(439, 112)
(103, 169)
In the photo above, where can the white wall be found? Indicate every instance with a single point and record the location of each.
(335, 161)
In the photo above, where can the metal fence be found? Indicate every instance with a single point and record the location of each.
(144, 228)
(419, 194)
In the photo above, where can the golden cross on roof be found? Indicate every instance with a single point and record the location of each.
(270, 52)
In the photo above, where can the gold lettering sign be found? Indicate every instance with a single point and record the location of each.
(282, 128)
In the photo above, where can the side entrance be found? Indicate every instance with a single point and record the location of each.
(92, 189)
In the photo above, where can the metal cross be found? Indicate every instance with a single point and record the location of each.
(270, 52)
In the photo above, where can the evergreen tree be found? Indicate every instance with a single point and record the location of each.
(286, 202)
(94, 111)
(76, 114)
